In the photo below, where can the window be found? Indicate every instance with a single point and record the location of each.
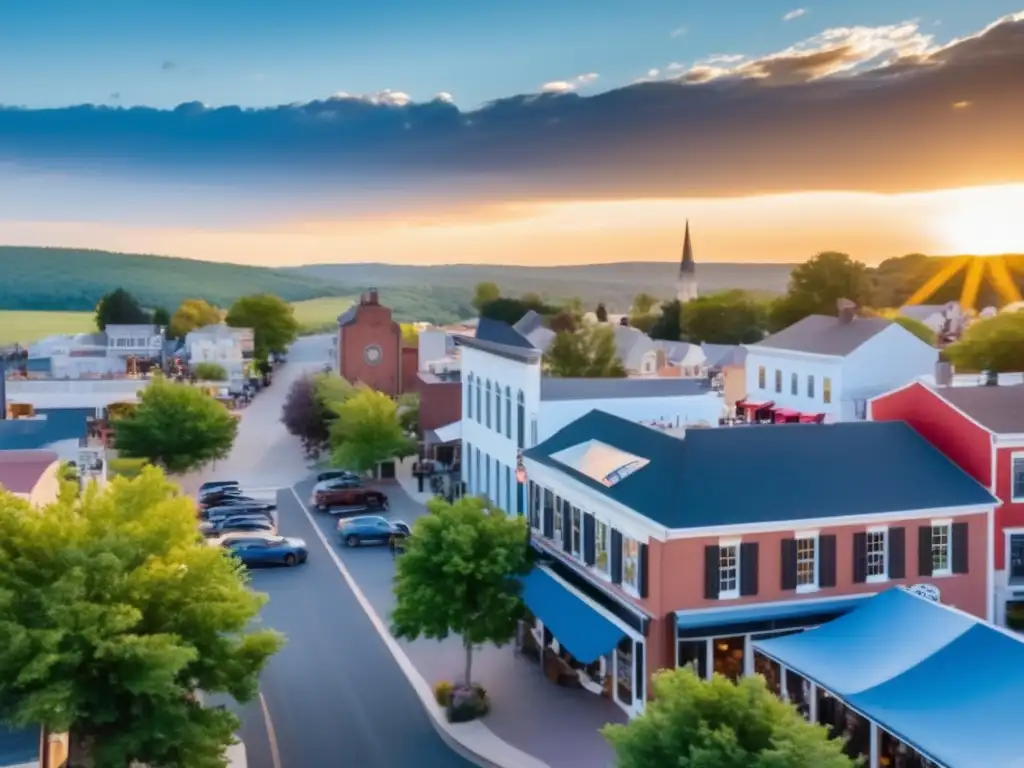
(535, 514)
(941, 539)
(1016, 566)
(778, 380)
(533, 431)
(761, 377)
(876, 555)
(469, 395)
(479, 410)
(549, 508)
(1017, 468)
(558, 533)
(826, 390)
(728, 570)
(469, 467)
(630, 562)
(794, 384)
(497, 409)
(577, 532)
(479, 478)
(521, 421)
(508, 413)
(810, 386)
(487, 405)
(601, 534)
(807, 562)
(509, 485)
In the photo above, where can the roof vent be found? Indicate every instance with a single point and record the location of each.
(846, 310)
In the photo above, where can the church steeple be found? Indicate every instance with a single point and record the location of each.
(686, 286)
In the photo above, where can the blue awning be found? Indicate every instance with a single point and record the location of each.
(584, 632)
(743, 614)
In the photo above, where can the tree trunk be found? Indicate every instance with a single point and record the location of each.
(469, 660)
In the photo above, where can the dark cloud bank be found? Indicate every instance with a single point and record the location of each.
(769, 126)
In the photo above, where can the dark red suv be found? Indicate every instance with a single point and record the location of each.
(344, 501)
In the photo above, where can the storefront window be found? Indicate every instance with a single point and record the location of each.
(601, 546)
(729, 656)
(630, 562)
(577, 536)
(799, 691)
(549, 505)
(770, 671)
(694, 654)
(558, 529)
(1016, 559)
(535, 492)
(624, 671)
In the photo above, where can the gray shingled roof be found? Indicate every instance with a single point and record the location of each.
(724, 355)
(631, 344)
(554, 388)
(770, 473)
(498, 332)
(824, 335)
(999, 409)
(348, 316)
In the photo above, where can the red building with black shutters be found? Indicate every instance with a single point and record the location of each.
(660, 548)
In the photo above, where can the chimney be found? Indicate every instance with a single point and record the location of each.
(370, 297)
(943, 374)
(846, 310)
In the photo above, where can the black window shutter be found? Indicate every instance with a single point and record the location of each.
(789, 564)
(638, 656)
(959, 553)
(748, 568)
(616, 554)
(827, 561)
(897, 553)
(519, 499)
(712, 579)
(641, 581)
(566, 526)
(549, 522)
(588, 539)
(924, 550)
(860, 558)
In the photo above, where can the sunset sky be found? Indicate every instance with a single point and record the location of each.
(583, 132)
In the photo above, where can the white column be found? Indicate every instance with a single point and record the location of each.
(874, 748)
(709, 651)
(812, 705)
(783, 687)
(748, 656)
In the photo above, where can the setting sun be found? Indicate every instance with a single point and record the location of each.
(985, 221)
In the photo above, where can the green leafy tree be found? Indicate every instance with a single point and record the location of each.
(410, 336)
(460, 575)
(367, 431)
(817, 285)
(563, 321)
(272, 321)
(732, 317)
(210, 372)
(586, 353)
(916, 327)
(995, 344)
(192, 314)
(484, 294)
(643, 322)
(409, 413)
(691, 723)
(162, 318)
(176, 426)
(115, 616)
(643, 303)
(332, 391)
(119, 308)
(668, 325)
(511, 311)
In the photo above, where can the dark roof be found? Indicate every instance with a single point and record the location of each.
(781, 472)
(348, 316)
(824, 335)
(999, 409)
(553, 388)
(498, 332)
(21, 470)
(30, 434)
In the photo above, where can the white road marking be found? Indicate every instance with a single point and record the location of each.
(275, 753)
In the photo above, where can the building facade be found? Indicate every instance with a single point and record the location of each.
(981, 429)
(370, 346)
(220, 344)
(673, 550)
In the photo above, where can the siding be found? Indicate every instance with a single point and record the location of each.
(1009, 515)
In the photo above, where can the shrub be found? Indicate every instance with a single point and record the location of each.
(210, 372)
(125, 467)
(443, 692)
(467, 703)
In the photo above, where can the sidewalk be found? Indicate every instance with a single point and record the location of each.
(409, 483)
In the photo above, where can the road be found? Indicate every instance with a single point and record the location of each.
(334, 695)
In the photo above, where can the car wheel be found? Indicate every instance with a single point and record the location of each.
(351, 541)
(290, 559)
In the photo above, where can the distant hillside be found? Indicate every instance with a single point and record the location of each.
(69, 279)
(614, 284)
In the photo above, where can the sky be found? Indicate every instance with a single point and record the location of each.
(455, 131)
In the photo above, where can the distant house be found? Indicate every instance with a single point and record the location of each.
(946, 319)
(637, 351)
(682, 359)
(531, 327)
(223, 345)
(31, 475)
(140, 341)
(728, 361)
(831, 366)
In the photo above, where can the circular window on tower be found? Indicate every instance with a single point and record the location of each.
(372, 354)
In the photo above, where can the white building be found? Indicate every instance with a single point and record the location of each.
(222, 345)
(508, 406)
(96, 394)
(141, 341)
(834, 365)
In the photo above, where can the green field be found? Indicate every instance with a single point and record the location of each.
(320, 314)
(24, 327)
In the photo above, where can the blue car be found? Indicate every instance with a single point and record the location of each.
(371, 529)
(266, 550)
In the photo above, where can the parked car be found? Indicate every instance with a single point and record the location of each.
(338, 484)
(242, 502)
(370, 529)
(219, 513)
(217, 485)
(222, 499)
(345, 501)
(267, 550)
(240, 523)
(336, 474)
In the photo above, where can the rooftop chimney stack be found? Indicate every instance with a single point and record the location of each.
(846, 311)
(370, 297)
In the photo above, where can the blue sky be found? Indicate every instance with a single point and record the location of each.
(265, 52)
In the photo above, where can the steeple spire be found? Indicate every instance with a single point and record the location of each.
(687, 266)
(686, 285)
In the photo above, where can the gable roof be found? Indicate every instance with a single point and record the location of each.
(824, 335)
(631, 344)
(555, 388)
(20, 470)
(498, 332)
(57, 425)
(724, 355)
(998, 409)
(770, 473)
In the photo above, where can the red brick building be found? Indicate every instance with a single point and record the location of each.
(370, 346)
(660, 551)
(981, 428)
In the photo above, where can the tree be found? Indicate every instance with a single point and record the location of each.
(691, 723)
(732, 317)
(332, 390)
(409, 413)
(587, 353)
(460, 575)
(119, 308)
(995, 344)
(210, 372)
(176, 426)
(367, 431)
(192, 314)
(563, 321)
(114, 615)
(305, 416)
(668, 325)
(484, 294)
(916, 327)
(410, 336)
(162, 318)
(511, 311)
(816, 285)
(601, 313)
(272, 321)
(642, 322)
(643, 303)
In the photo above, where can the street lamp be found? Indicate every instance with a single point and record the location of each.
(520, 468)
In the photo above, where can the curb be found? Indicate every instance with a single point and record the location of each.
(459, 737)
